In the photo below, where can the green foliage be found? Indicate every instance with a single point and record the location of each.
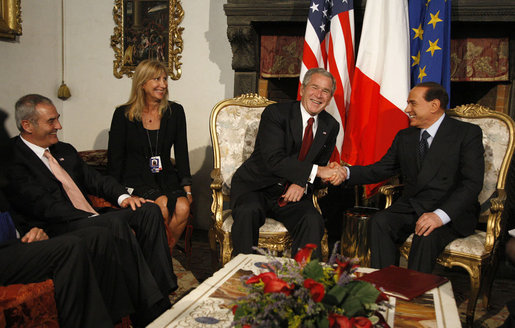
(296, 307)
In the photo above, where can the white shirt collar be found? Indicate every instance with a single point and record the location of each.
(305, 117)
(39, 151)
(434, 127)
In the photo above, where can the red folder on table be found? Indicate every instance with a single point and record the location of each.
(403, 283)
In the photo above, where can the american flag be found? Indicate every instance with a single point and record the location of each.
(329, 43)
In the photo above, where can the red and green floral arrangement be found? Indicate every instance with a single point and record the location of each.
(308, 293)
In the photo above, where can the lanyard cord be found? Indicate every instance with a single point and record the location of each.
(150, 144)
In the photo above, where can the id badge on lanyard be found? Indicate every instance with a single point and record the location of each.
(155, 164)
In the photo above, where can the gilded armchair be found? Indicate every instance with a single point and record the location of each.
(233, 126)
(477, 253)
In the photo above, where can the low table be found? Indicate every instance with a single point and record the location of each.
(209, 305)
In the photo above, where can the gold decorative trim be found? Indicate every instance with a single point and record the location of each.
(10, 19)
(124, 62)
(251, 99)
(175, 43)
(470, 110)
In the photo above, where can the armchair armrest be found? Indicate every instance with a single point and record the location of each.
(321, 192)
(389, 191)
(218, 198)
(493, 224)
(317, 194)
(216, 176)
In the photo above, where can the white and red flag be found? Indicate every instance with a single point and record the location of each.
(329, 43)
(380, 85)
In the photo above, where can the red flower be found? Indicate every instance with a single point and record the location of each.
(264, 277)
(272, 283)
(247, 326)
(338, 321)
(360, 322)
(304, 255)
(316, 289)
(277, 286)
(234, 308)
(341, 268)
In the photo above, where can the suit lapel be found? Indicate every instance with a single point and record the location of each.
(142, 140)
(163, 126)
(30, 158)
(296, 126)
(410, 150)
(436, 153)
(319, 139)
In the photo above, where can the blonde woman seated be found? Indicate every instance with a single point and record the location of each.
(142, 134)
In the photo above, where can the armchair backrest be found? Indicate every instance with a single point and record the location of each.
(498, 141)
(233, 126)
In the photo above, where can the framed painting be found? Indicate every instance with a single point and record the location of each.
(10, 19)
(147, 29)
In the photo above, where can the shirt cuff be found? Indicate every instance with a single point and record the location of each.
(348, 172)
(313, 174)
(512, 232)
(122, 198)
(442, 215)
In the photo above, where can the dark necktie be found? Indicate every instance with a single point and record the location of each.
(76, 197)
(304, 148)
(423, 146)
(307, 140)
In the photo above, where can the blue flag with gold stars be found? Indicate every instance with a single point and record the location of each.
(430, 42)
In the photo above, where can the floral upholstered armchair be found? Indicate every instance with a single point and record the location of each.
(477, 252)
(233, 126)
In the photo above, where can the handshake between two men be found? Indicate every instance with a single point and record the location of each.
(333, 173)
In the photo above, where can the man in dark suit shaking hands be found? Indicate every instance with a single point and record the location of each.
(440, 162)
(48, 184)
(293, 145)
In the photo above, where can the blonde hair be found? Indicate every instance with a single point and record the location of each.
(146, 70)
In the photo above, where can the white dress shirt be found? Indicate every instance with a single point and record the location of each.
(305, 117)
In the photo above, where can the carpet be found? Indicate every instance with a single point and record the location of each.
(185, 279)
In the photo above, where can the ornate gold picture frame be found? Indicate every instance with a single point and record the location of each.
(10, 19)
(147, 29)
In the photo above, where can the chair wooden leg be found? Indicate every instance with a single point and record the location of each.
(214, 252)
(226, 251)
(489, 275)
(475, 279)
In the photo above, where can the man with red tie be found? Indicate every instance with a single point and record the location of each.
(293, 145)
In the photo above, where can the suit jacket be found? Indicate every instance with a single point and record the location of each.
(129, 151)
(278, 142)
(450, 177)
(36, 194)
